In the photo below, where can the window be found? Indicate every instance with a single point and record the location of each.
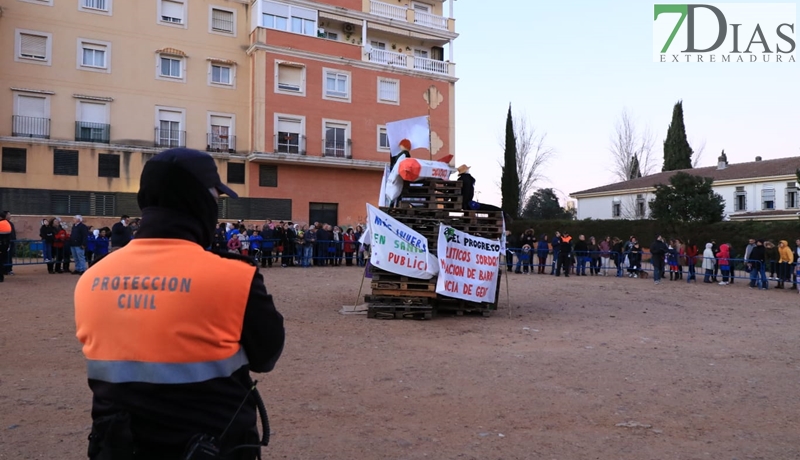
(267, 176)
(323, 212)
(383, 139)
(767, 198)
(223, 21)
(172, 12)
(65, 162)
(220, 133)
(791, 195)
(39, 2)
(337, 85)
(33, 47)
(336, 139)
(236, 173)
(94, 55)
(290, 18)
(92, 122)
(290, 78)
(378, 45)
(289, 134)
(220, 74)
(740, 200)
(616, 208)
(169, 127)
(641, 210)
(107, 165)
(95, 6)
(14, 160)
(71, 204)
(421, 7)
(420, 53)
(328, 35)
(171, 67)
(31, 116)
(388, 91)
(103, 204)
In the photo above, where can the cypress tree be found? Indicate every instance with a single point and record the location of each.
(509, 182)
(677, 151)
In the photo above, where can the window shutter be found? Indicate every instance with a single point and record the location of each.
(303, 13)
(65, 162)
(92, 112)
(276, 9)
(31, 106)
(388, 90)
(267, 176)
(236, 173)
(103, 204)
(107, 165)
(290, 76)
(172, 9)
(286, 125)
(220, 121)
(222, 20)
(33, 46)
(14, 160)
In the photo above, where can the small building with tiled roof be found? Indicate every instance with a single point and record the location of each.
(757, 190)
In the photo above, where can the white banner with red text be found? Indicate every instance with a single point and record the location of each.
(468, 266)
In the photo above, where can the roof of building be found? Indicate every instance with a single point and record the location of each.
(750, 170)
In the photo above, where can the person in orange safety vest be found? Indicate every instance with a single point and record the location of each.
(171, 331)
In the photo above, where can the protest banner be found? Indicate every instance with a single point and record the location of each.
(468, 266)
(398, 249)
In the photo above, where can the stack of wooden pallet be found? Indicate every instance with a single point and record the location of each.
(423, 206)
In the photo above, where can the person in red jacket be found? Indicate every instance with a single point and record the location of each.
(349, 239)
(723, 257)
(691, 260)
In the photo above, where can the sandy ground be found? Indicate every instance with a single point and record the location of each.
(581, 368)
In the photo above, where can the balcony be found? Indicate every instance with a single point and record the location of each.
(337, 149)
(430, 20)
(290, 143)
(92, 132)
(419, 64)
(220, 143)
(30, 127)
(387, 10)
(403, 13)
(169, 138)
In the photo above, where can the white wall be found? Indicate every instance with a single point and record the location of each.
(601, 207)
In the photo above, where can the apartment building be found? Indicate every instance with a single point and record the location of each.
(291, 98)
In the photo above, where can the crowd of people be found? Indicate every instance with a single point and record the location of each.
(762, 261)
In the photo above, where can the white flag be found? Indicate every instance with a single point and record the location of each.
(416, 130)
(398, 249)
(382, 201)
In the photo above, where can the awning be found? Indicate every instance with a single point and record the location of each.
(222, 61)
(340, 18)
(171, 52)
(409, 33)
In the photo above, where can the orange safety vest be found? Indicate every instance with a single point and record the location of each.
(162, 311)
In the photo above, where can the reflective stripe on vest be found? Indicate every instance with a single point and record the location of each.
(162, 311)
(134, 371)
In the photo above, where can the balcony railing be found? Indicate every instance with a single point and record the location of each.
(92, 132)
(221, 143)
(293, 143)
(430, 20)
(431, 65)
(387, 10)
(336, 149)
(388, 57)
(169, 138)
(30, 127)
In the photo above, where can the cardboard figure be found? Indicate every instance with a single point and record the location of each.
(468, 192)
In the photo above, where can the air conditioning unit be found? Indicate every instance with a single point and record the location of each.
(349, 28)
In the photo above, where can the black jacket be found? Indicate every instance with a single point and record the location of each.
(658, 249)
(165, 417)
(758, 254)
(120, 235)
(79, 236)
(581, 248)
(48, 234)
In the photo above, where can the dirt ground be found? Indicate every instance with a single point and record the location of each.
(581, 368)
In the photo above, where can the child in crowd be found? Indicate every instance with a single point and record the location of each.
(100, 246)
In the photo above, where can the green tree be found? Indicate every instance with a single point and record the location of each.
(687, 199)
(636, 171)
(677, 151)
(509, 182)
(543, 205)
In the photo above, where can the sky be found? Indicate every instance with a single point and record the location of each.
(573, 66)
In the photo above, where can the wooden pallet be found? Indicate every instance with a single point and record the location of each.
(397, 301)
(430, 203)
(403, 293)
(400, 312)
(403, 286)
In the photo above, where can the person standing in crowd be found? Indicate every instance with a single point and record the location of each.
(634, 258)
(256, 241)
(511, 244)
(771, 262)
(658, 250)
(785, 258)
(349, 238)
(581, 255)
(795, 263)
(8, 267)
(5, 243)
(120, 233)
(289, 237)
(90, 241)
(709, 262)
(605, 254)
(309, 240)
(556, 243)
(524, 257)
(155, 398)
(723, 260)
(78, 239)
(618, 254)
(594, 257)
(47, 233)
(758, 266)
(691, 260)
(359, 253)
(101, 245)
(542, 249)
(564, 255)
